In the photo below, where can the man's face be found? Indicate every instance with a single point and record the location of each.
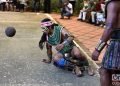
(46, 26)
(47, 29)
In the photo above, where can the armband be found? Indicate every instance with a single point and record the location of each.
(100, 45)
(65, 42)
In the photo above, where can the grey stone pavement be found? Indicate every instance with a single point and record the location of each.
(20, 56)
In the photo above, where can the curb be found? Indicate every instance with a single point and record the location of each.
(91, 62)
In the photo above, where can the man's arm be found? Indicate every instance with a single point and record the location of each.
(42, 40)
(111, 22)
(49, 51)
(68, 38)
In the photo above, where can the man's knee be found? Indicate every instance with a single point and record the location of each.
(60, 63)
(76, 52)
(57, 57)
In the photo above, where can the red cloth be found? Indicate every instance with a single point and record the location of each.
(98, 7)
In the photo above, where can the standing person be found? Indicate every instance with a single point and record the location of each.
(73, 4)
(47, 6)
(111, 59)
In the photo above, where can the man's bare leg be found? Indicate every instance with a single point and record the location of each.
(105, 77)
(76, 53)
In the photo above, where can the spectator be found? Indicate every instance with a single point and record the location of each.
(73, 4)
(96, 12)
(82, 12)
(100, 20)
(66, 10)
(85, 15)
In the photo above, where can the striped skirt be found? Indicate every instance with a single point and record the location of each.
(111, 59)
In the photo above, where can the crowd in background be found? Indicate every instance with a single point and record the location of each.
(92, 11)
(13, 5)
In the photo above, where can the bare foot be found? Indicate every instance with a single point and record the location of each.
(46, 61)
(90, 71)
(78, 72)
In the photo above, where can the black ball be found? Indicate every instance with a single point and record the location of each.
(10, 31)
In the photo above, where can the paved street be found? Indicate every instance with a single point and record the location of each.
(20, 56)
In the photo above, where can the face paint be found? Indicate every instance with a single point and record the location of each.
(44, 28)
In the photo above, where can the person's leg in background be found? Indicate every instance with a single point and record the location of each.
(100, 19)
(75, 53)
(67, 14)
(22, 7)
(62, 13)
(93, 15)
(80, 15)
(18, 6)
(84, 16)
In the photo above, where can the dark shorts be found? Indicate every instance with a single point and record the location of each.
(60, 63)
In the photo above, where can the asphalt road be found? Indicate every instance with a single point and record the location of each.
(20, 56)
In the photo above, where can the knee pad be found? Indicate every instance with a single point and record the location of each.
(60, 63)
